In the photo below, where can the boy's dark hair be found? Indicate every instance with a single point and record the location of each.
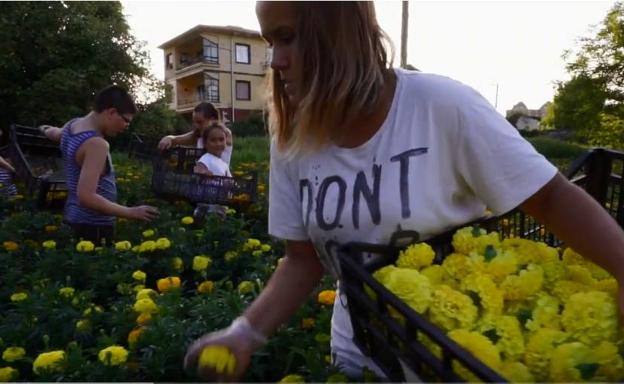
(207, 109)
(116, 97)
(215, 125)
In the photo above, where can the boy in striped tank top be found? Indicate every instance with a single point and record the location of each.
(91, 206)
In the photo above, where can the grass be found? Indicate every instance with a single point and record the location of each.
(250, 149)
(560, 153)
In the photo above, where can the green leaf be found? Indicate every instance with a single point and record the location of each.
(492, 335)
(476, 299)
(489, 253)
(587, 370)
(524, 315)
(476, 231)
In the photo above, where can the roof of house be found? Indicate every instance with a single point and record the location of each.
(196, 30)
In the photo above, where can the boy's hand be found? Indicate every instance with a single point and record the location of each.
(143, 212)
(165, 143)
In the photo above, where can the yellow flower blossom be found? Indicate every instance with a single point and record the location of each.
(526, 283)
(85, 246)
(49, 244)
(20, 296)
(230, 256)
(145, 306)
(464, 240)
(563, 289)
(570, 257)
(308, 323)
(591, 317)
(147, 246)
(163, 243)
(205, 287)
(134, 336)
(326, 297)
(292, 379)
(8, 374)
(113, 355)
(539, 350)
(12, 354)
(408, 285)
(67, 292)
(187, 220)
(139, 275)
(257, 253)
(545, 313)
(49, 362)
(502, 265)
(251, 244)
(554, 271)
(201, 263)
(143, 318)
(50, 228)
(219, 358)
(245, 286)
(168, 283)
(609, 286)
(505, 333)
(146, 293)
(484, 292)
(438, 275)
(459, 265)
(516, 372)
(451, 309)
(480, 346)
(10, 246)
(123, 245)
(265, 247)
(416, 256)
(178, 264)
(148, 233)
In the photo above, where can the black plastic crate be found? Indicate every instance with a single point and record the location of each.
(387, 341)
(38, 163)
(173, 178)
(142, 148)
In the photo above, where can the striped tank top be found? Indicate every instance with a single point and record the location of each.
(7, 188)
(107, 188)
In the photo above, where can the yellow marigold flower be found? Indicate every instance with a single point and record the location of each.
(565, 288)
(501, 266)
(326, 297)
(178, 264)
(611, 364)
(49, 244)
(201, 263)
(573, 362)
(187, 220)
(124, 245)
(230, 211)
(113, 355)
(146, 293)
(308, 323)
(139, 275)
(8, 374)
(480, 346)
(408, 285)
(219, 358)
(545, 314)
(570, 257)
(91, 309)
(136, 249)
(460, 266)
(230, 256)
(251, 244)
(609, 286)
(50, 228)
(49, 362)
(505, 333)
(484, 293)
(257, 253)
(148, 233)
(437, 275)
(134, 336)
(12, 354)
(523, 285)
(145, 306)
(20, 296)
(147, 246)
(67, 292)
(451, 309)
(539, 350)
(292, 379)
(83, 325)
(85, 246)
(591, 317)
(163, 243)
(579, 274)
(168, 283)
(10, 246)
(205, 287)
(416, 256)
(143, 318)
(554, 271)
(516, 372)
(245, 286)
(465, 239)
(265, 247)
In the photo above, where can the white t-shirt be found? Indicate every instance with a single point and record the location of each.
(215, 165)
(441, 157)
(225, 156)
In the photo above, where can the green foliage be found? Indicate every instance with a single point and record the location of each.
(156, 120)
(577, 104)
(252, 126)
(55, 55)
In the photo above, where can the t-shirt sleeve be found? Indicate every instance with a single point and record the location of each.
(497, 163)
(285, 218)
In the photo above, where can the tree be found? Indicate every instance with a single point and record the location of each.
(56, 55)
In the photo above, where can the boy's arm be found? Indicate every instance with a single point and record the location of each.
(6, 165)
(172, 140)
(51, 132)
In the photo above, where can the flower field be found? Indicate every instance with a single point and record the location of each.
(75, 311)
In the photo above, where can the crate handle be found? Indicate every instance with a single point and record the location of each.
(403, 237)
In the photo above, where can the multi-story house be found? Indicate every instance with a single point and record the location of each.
(226, 66)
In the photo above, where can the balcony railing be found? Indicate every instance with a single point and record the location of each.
(191, 101)
(198, 59)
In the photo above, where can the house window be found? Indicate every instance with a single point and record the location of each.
(211, 52)
(243, 55)
(243, 90)
(169, 61)
(211, 93)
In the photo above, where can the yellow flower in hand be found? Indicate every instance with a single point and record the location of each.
(219, 358)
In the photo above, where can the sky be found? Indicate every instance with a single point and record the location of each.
(509, 51)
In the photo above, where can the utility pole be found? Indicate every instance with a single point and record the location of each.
(232, 54)
(404, 22)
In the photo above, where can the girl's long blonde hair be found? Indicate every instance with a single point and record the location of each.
(344, 62)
